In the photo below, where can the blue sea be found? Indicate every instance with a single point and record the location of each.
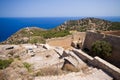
(9, 26)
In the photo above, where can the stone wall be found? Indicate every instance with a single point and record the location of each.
(85, 57)
(113, 40)
(99, 63)
(66, 41)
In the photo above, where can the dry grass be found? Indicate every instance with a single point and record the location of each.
(49, 71)
(69, 67)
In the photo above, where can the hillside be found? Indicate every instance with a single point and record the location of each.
(38, 35)
(24, 36)
(33, 35)
(86, 24)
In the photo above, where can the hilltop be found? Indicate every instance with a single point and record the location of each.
(85, 24)
(38, 35)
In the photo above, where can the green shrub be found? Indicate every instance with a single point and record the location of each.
(27, 65)
(115, 26)
(52, 34)
(37, 39)
(102, 48)
(5, 63)
(40, 36)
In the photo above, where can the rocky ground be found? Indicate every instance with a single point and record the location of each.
(44, 62)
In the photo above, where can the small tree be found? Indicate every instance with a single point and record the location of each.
(102, 48)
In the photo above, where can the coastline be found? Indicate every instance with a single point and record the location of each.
(10, 25)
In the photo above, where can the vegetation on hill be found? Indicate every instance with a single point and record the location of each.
(52, 34)
(46, 35)
(34, 35)
(115, 26)
(86, 24)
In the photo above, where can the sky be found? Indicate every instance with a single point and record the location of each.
(59, 8)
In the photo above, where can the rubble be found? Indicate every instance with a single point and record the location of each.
(42, 57)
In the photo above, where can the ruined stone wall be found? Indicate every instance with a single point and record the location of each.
(99, 63)
(65, 42)
(107, 67)
(113, 40)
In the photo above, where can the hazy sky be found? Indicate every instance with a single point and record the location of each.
(59, 8)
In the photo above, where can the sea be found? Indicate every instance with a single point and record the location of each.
(9, 25)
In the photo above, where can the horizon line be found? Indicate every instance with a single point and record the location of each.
(53, 16)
